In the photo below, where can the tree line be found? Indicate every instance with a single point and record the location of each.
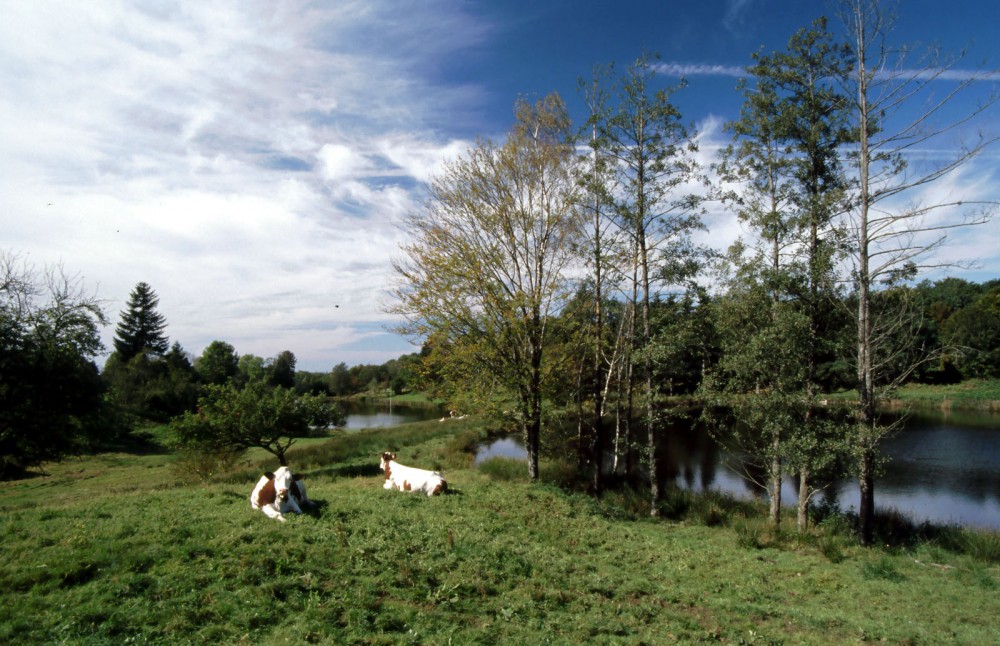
(555, 275)
(537, 276)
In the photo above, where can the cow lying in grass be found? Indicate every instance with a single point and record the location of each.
(406, 478)
(279, 493)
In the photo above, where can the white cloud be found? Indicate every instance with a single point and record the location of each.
(234, 156)
(421, 159)
(340, 163)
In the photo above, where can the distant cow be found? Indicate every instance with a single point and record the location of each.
(279, 493)
(406, 478)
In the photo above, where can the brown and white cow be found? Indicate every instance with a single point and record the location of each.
(279, 493)
(406, 478)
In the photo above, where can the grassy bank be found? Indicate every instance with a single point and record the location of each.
(981, 394)
(974, 394)
(121, 548)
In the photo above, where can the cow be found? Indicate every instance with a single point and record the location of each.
(279, 493)
(406, 478)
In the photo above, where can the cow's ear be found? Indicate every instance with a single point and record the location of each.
(296, 476)
(269, 475)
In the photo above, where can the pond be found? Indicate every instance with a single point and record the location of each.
(361, 416)
(943, 467)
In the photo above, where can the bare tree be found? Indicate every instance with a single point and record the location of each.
(899, 108)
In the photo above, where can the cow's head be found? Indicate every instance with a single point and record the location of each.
(283, 482)
(384, 464)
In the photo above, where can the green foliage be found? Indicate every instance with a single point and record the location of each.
(150, 387)
(141, 328)
(974, 333)
(231, 420)
(218, 363)
(52, 401)
(488, 262)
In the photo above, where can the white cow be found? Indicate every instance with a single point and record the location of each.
(279, 493)
(406, 478)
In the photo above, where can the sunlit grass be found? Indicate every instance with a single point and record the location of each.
(117, 548)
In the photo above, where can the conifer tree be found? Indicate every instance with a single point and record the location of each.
(141, 328)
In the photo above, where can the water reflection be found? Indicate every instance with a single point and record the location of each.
(943, 467)
(361, 416)
(505, 447)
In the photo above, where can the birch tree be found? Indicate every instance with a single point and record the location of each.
(651, 151)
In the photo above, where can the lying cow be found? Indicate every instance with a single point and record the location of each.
(406, 478)
(279, 493)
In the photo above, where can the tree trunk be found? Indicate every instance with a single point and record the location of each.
(866, 509)
(775, 484)
(802, 518)
(866, 381)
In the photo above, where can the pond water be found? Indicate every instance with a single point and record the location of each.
(361, 416)
(943, 467)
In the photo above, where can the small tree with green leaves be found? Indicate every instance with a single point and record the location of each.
(230, 420)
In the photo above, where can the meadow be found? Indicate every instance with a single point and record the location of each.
(128, 547)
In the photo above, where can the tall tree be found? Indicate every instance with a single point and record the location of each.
(596, 176)
(486, 268)
(896, 110)
(785, 162)
(51, 396)
(141, 328)
(640, 131)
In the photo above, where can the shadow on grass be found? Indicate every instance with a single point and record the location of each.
(348, 471)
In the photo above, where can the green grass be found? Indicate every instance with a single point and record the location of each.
(981, 394)
(975, 393)
(116, 549)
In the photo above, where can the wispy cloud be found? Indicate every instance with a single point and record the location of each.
(699, 69)
(735, 11)
(250, 161)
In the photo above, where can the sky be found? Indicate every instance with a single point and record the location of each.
(253, 161)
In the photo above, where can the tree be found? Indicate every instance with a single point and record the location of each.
(785, 157)
(974, 332)
(51, 396)
(282, 370)
(141, 328)
(486, 268)
(340, 380)
(640, 132)
(893, 240)
(250, 368)
(232, 420)
(218, 363)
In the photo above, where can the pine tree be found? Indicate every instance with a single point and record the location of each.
(141, 327)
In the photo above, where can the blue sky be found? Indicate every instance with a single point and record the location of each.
(252, 160)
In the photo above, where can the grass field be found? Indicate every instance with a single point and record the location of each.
(121, 548)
